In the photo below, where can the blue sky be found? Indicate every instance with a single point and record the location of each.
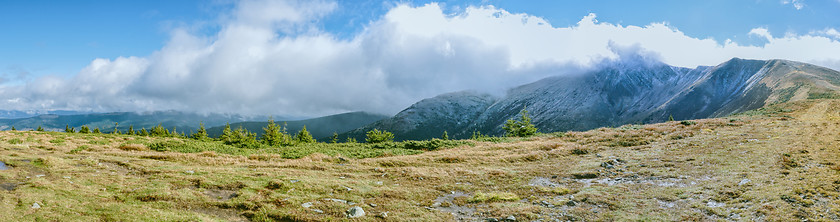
(68, 44)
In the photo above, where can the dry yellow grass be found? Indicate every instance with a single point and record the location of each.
(779, 165)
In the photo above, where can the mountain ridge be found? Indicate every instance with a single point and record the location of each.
(619, 93)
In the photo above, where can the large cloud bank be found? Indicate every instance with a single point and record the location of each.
(269, 57)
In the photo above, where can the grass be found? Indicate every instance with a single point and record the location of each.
(776, 164)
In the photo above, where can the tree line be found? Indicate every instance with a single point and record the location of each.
(275, 135)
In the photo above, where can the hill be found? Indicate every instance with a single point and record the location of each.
(181, 121)
(616, 94)
(777, 163)
(321, 128)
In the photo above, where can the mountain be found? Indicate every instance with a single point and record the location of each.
(614, 94)
(321, 128)
(182, 122)
(17, 114)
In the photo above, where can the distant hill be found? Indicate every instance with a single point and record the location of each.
(616, 94)
(16, 114)
(320, 128)
(183, 122)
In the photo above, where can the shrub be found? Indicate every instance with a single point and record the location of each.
(84, 129)
(521, 127)
(377, 136)
(687, 122)
(68, 129)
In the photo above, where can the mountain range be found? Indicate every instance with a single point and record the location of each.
(614, 94)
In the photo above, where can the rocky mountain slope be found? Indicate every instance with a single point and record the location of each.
(615, 94)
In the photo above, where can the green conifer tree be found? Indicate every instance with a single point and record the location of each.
(521, 127)
(334, 138)
(68, 129)
(201, 134)
(39, 129)
(227, 134)
(670, 118)
(96, 130)
(445, 135)
(131, 130)
(274, 135)
(143, 132)
(13, 128)
(303, 136)
(379, 136)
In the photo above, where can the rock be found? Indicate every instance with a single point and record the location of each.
(189, 172)
(571, 203)
(294, 181)
(306, 205)
(585, 175)
(317, 211)
(744, 182)
(372, 205)
(510, 218)
(382, 215)
(336, 200)
(355, 212)
(491, 220)
(36, 206)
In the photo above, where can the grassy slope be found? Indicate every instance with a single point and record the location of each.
(779, 163)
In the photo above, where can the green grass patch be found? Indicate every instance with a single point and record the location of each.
(57, 141)
(481, 197)
(15, 141)
(79, 149)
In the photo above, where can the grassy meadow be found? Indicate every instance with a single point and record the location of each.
(778, 163)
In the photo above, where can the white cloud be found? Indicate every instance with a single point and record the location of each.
(798, 4)
(269, 58)
(761, 32)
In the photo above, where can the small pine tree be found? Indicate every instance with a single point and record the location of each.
(143, 132)
(159, 131)
(521, 127)
(670, 118)
(201, 134)
(334, 138)
(476, 135)
(84, 129)
(116, 130)
(131, 130)
(39, 129)
(445, 135)
(244, 139)
(350, 140)
(377, 136)
(96, 130)
(227, 134)
(303, 136)
(273, 134)
(67, 129)
(13, 128)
